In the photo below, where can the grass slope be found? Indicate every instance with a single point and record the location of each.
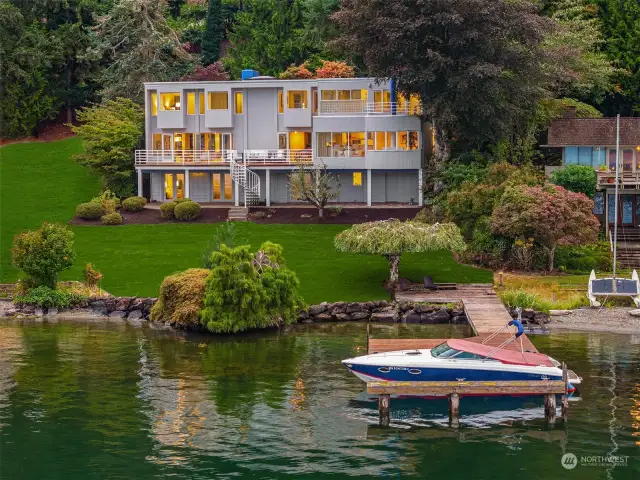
(135, 258)
(38, 181)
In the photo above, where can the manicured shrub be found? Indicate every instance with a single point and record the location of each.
(247, 291)
(187, 211)
(181, 298)
(92, 276)
(182, 200)
(113, 218)
(108, 200)
(576, 178)
(46, 297)
(89, 211)
(134, 204)
(167, 210)
(44, 252)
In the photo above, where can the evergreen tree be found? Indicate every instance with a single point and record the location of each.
(213, 33)
(268, 36)
(174, 7)
(621, 28)
(140, 47)
(27, 56)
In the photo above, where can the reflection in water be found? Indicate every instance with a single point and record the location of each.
(137, 403)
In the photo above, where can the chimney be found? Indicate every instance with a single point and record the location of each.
(569, 112)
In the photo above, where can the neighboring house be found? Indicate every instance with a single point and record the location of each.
(592, 142)
(238, 141)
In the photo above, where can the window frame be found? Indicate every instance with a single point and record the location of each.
(211, 96)
(236, 95)
(291, 99)
(358, 182)
(280, 102)
(191, 102)
(154, 103)
(177, 103)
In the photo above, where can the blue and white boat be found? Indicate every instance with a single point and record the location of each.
(458, 360)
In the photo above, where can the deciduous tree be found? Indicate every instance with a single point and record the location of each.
(314, 185)
(549, 214)
(331, 69)
(211, 73)
(300, 72)
(391, 238)
(111, 131)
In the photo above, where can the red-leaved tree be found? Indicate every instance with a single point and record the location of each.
(550, 214)
(210, 73)
(294, 72)
(331, 69)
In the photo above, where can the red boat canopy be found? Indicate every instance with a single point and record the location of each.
(505, 356)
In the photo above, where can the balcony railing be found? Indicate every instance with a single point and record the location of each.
(278, 157)
(625, 178)
(350, 107)
(182, 157)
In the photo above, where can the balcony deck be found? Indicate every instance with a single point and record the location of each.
(625, 179)
(207, 158)
(363, 107)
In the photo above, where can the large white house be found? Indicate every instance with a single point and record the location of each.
(238, 141)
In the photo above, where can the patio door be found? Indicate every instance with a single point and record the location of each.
(222, 187)
(627, 207)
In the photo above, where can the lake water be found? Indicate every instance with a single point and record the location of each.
(102, 401)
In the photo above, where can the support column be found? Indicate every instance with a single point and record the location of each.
(420, 180)
(236, 193)
(139, 182)
(368, 187)
(454, 410)
(565, 395)
(267, 188)
(384, 402)
(186, 184)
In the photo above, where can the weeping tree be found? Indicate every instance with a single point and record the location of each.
(391, 238)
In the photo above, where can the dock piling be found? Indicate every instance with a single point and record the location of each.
(550, 407)
(565, 396)
(454, 410)
(384, 402)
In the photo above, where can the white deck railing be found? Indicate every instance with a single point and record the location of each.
(348, 107)
(278, 156)
(161, 157)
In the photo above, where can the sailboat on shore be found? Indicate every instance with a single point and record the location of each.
(614, 286)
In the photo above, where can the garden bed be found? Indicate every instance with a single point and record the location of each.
(151, 216)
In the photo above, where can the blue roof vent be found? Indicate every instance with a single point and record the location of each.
(249, 74)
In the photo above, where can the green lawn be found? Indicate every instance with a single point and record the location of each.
(40, 182)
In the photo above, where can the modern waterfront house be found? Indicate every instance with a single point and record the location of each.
(592, 142)
(237, 142)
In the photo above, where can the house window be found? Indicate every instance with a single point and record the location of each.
(412, 106)
(382, 100)
(328, 95)
(361, 94)
(280, 101)
(201, 102)
(239, 102)
(393, 140)
(191, 103)
(297, 99)
(169, 101)
(340, 144)
(357, 179)
(154, 104)
(218, 101)
(168, 186)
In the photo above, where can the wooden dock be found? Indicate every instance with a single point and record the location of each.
(486, 315)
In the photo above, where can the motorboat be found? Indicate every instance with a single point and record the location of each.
(459, 360)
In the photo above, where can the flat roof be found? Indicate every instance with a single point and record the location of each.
(264, 82)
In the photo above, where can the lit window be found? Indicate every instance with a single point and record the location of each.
(218, 101)
(328, 94)
(380, 141)
(403, 140)
(297, 99)
(280, 101)
(344, 94)
(170, 101)
(157, 141)
(413, 140)
(340, 144)
(201, 98)
(357, 179)
(191, 103)
(239, 104)
(154, 104)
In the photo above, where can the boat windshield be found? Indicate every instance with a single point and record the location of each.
(445, 351)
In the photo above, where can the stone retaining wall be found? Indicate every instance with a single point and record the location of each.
(138, 308)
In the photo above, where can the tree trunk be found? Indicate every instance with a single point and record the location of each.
(394, 262)
(442, 147)
(320, 212)
(551, 253)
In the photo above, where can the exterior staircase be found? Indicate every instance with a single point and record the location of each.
(247, 179)
(628, 248)
(238, 214)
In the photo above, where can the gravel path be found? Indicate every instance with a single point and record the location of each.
(615, 320)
